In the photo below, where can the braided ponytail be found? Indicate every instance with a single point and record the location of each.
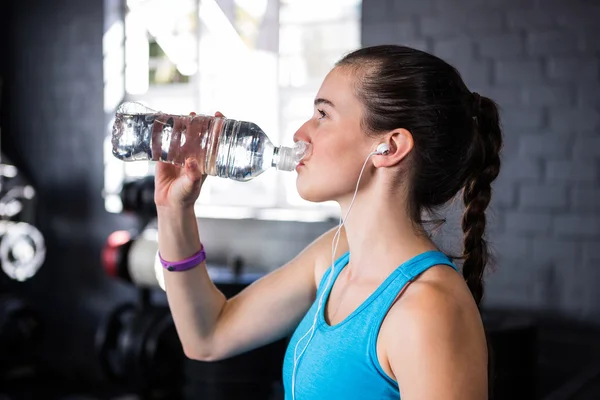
(485, 164)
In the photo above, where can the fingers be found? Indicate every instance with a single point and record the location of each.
(217, 114)
(167, 169)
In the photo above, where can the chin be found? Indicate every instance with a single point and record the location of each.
(314, 193)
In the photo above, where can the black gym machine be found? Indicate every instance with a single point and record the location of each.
(22, 253)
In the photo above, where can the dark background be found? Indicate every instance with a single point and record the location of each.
(540, 60)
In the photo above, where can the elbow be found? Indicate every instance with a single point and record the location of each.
(200, 353)
(196, 355)
(203, 347)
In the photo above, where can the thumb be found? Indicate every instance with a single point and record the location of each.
(188, 185)
(192, 170)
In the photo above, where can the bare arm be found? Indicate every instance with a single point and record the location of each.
(195, 302)
(209, 326)
(212, 328)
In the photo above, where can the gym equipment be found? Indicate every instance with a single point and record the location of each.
(139, 350)
(22, 246)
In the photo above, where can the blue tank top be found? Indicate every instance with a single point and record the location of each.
(341, 360)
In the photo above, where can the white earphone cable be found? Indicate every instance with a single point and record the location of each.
(334, 245)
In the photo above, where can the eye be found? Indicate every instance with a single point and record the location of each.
(321, 114)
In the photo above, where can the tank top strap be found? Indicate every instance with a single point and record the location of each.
(419, 264)
(334, 269)
(404, 274)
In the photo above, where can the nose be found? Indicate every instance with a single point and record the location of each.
(302, 134)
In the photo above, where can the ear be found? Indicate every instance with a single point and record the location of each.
(401, 143)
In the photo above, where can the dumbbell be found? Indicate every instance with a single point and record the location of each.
(22, 250)
(139, 349)
(137, 196)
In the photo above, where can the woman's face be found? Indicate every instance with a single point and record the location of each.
(340, 147)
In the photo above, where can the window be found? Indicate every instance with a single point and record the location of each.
(254, 60)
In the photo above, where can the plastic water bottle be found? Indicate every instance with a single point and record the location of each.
(223, 147)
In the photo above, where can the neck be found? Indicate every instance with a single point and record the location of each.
(380, 233)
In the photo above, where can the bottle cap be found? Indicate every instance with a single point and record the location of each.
(301, 150)
(289, 157)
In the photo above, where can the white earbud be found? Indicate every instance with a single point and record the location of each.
(383, 148)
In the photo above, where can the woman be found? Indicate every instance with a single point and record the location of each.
(396, 319)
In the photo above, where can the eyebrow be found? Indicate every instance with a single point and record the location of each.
(323, 101)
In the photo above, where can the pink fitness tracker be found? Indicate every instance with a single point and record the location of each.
(184, 265)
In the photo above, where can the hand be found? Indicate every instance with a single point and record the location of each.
(178, 187)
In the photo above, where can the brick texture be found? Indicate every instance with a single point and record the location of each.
(540, 61)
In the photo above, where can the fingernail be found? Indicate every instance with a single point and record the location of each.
(193, 164)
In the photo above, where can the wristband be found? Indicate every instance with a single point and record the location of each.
(186, 264)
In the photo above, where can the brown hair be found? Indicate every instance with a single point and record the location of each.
(456, 133)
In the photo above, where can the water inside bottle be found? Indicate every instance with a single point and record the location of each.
(142, 134)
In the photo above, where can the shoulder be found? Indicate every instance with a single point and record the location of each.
(431, 306)
(434, 334)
